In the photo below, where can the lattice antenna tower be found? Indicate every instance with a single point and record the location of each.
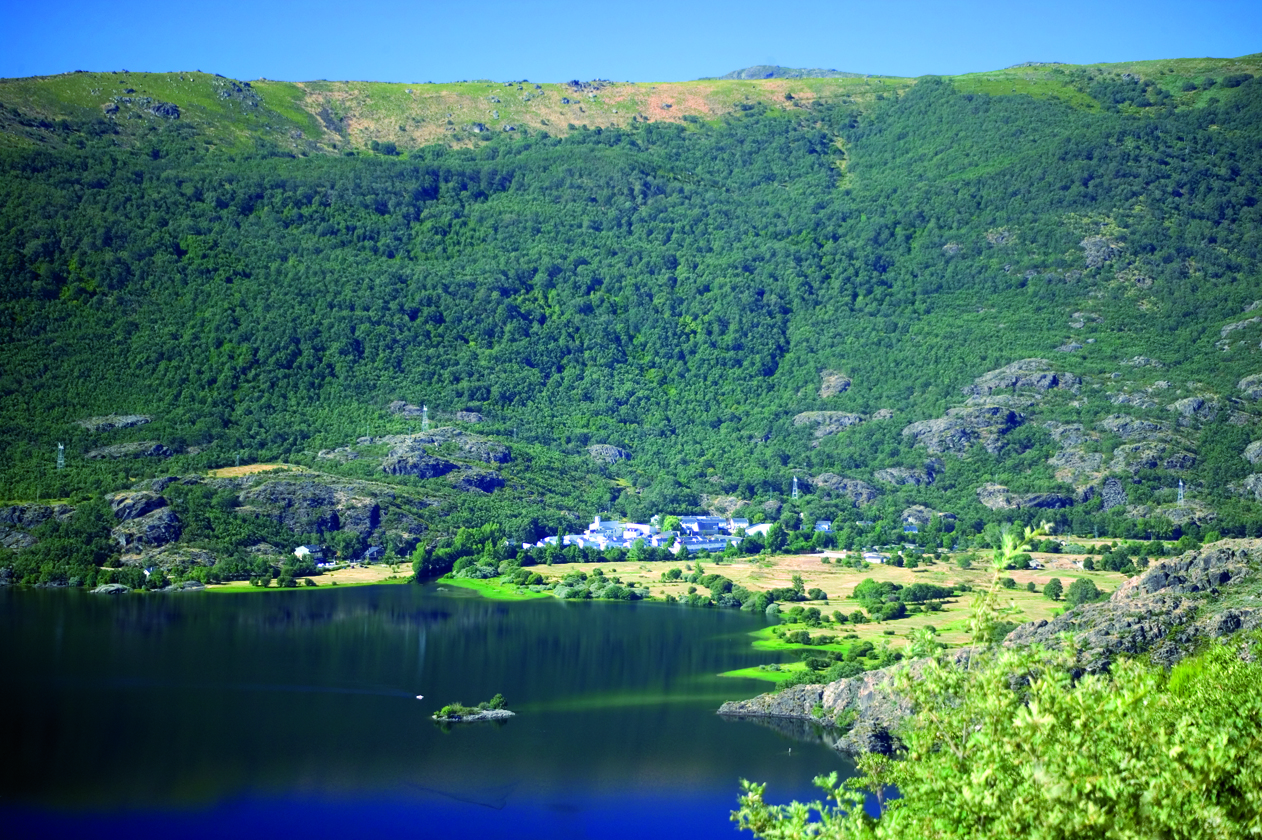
(1180, 492)
(61, 456)
(795, 486)
(424, 418)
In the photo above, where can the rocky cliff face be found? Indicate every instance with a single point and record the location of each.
(17, 520)
(1164, 613)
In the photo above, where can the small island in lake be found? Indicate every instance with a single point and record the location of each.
(457, 712)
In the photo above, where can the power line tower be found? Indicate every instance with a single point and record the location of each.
(424, 418)
(1180, 492)
(61, 456)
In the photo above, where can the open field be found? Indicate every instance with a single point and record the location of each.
(839, 581)
(355, 576)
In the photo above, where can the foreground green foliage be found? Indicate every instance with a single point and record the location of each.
(1017, 743)
(1131, 754)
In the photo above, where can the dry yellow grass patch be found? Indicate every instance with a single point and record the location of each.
(358, 576)
(249, 469)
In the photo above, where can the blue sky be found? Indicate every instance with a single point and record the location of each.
(640, 41)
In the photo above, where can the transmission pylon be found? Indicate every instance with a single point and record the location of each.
(61, 456)
(424, 418)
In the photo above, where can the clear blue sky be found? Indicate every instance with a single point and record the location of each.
(647, 40)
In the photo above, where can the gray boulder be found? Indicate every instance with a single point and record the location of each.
(140, 449)
(833, 383)
(111, 422)
(827, 422)
(1253, 452)
(1034, 374)
(481, 481)
(1251, 386)
(111, 589)
(603, 453)
(1113, 494)
(964, 426)
(1195, 408)
(135, 504)
(152, 530)
(1129, 428)
(859, 493)
(416, 464)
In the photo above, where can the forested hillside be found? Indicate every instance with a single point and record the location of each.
(828, 290)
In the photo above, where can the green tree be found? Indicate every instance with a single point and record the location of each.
(1082, 591)
(1053, 589)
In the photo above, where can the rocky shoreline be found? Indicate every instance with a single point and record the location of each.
(1164, 613)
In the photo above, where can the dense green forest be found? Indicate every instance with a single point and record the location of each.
(684, 292)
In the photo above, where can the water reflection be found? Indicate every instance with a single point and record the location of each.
(150, 702)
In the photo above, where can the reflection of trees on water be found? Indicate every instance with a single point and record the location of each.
(213, 694)
(804, 731)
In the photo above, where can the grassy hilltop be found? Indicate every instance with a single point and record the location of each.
(330, 116)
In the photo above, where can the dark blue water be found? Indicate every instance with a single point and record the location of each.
(294, 713)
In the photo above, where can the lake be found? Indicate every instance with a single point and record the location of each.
(247, 715)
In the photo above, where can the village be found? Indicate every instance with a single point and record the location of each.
(674, 533)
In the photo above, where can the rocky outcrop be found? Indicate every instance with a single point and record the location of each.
(404, 409)
(832, 383)
(1195, 408)
(110, 422)
(905, 477)
(1130, 428)
(416, 464)
(859, 493)
(1135, 400)
(604, 453)
(1076, 466)
(135, 504)
(918, 515)
(723, 506)
(1166, 611)
(999, 497)
(309, 505)
(1113, 494)
(1253, 452)
(152, 530)
(482, 481)
(964, 426)
(827, 422)
(1150, 455)
(1253, 484)
(862, 706)
(1097, 250)
(475, 447)
(111, 589)
(17, 520)
(139, 449)
(1026, 374)
(470, 417)
(342, 454)
(1251, 386)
